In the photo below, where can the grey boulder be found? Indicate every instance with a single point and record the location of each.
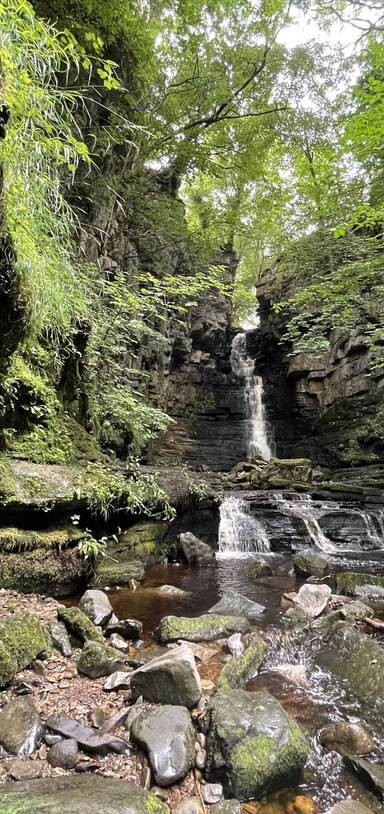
(195, 551)
(311, 599)
(60, 638)
(20, 727)
(169, 679)
(236, 604)
(96, 605)
(309, 563)
(97, 660)
(91, 740)
(205, 628)
(63, 754)
(167, 736)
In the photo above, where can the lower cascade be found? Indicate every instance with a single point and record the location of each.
(256, 427)
(239, 532)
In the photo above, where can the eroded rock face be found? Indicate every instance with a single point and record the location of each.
(96, 605)
(170, 679)
(257, 745)
(195, 551)
(82, 794)
(205, 628)
(20, 727)
(167, 735)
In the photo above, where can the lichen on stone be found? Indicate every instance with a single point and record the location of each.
(79, 624)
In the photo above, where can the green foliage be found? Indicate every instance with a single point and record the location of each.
(92, 549)
(106, 491)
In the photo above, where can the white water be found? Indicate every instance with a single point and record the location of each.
(256, 429)
(240, 534)
(304, 508)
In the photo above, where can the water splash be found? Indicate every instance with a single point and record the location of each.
(240, 534)
(256, 426)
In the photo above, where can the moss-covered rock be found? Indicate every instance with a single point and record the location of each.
(78, 623)
(203, 628)
(98, 660)
(108, 573)
(309, 563)
(42, 562)
(356, 584)
(22, 640)
(238, 671)
(255, 744)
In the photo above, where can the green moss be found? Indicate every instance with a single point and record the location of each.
(238, 671)
(79, 624)
(153, 805)
(21, 641)
(252, 763)
(348, 582)
(7, 481)
(93, 655)
(202, 628)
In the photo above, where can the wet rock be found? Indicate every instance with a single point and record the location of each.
(372, 774)
(78, 623)
(201, 758)
(260, 568)
(356, 584)
(21, 730)
(226, 807)
(22, 640)
(63, 754)
(349, 807)
(128, 628)
(235, 604)
(192, 805)
(96, 605)
(235, 645)
(133, 712)
(195, 551)
(79, 794)
(354, 611)
(311, 599)
(359, 660)
(254, 742)
(169, 590)
(295, 673)
(88, 738)
(167, 736)
(169, 679)
(120, 680)
(238, 671)
(212, 793)
(118, 642)
(60, 638)
(207, 627)
(123, 571)
(296, 616)
(19, 769)
(347, 737)
(309, 563)
(97, 660)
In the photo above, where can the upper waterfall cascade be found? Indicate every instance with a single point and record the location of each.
(256, 428)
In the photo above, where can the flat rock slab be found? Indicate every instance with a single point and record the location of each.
(81, 794)
(205, 628)
(20, 727)
(257, 746)
(168, 738)
(88, 738)
(170, 679)
(236, 604)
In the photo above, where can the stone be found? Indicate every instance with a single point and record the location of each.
(212, 793)
(21, 730)
(79, 794)
(238, 671)
(97, 660)
(226, 807)
(235, 645)
(257, 746)
(192, 805)
(356, 584)
(195, 551)
(20, 769)
(169, 679)
(346, 737)
(130, 629)
(359, 660)
(118, 642)
(169, 590)
(372, 774)
(63, 754)
(60, 638)
(235, 604)
(201, 758)
(79, 624)
(349, 807)
(88, 738)
(167, 737)
(355, 611)
(50, 739)
(117, 571)
(133, 712)
(120, 680)
(96, 605)
(294, 673)
(22, 640)
(205, 628)
(259, 568)
(116, 720)
(309, 563)
(311, 599)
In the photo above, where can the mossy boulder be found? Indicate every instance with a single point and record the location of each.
(205, 628)
(98, 660)
(22, 640)
(144, 541)
(309, 563)
(356, 584)
(79, 625)
(108, 572)
(282, 472)
(83, 794)
(254, 743)
(238, 671)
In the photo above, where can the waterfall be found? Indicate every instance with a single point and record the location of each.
(256, 431)
(304, 508)
(239, 532)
